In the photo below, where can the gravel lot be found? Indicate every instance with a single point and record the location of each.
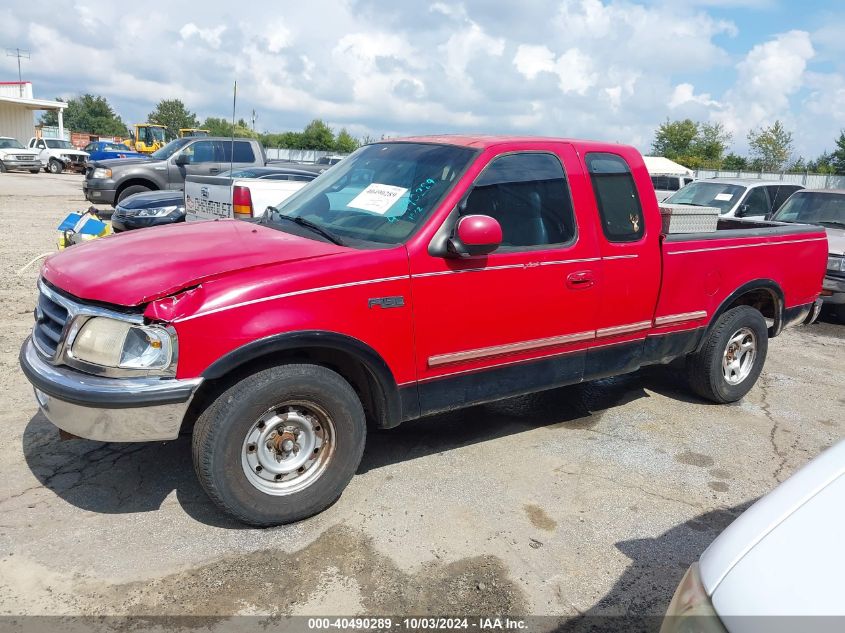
(584, 500)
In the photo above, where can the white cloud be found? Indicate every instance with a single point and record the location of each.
(210, 36)
(607, 69)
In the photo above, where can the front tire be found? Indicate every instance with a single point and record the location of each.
(280, 445)
(2, 167)
(34, 171)
(131, 190)
(55, 167)
(731, 358)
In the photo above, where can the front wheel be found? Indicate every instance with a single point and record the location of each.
(34, 171)
(55, 167)
(280, 445)
(731, 357)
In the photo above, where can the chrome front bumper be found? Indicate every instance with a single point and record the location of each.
(108, 409)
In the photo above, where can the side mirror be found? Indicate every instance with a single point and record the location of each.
(182, 160)
(476, 235)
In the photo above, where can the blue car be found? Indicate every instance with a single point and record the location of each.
(101, 150)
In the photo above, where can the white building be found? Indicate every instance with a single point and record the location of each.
(17, 110)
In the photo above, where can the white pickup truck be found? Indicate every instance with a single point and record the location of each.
(243, 193)
(57, 155)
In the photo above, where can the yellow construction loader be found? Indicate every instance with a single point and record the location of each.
(147, 138)
(192, 131)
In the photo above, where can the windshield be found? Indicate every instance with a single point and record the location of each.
(381, 193)
(708, 194)
(825, 209)
(57, 144)
(10, 143)
(154, 134)
(172, 147)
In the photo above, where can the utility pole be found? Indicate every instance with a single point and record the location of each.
(253, 119)
(16, 52)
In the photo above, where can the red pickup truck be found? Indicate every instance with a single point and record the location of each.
(415, 276)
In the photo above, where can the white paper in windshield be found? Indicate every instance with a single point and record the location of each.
(377, 198)
(724, 197)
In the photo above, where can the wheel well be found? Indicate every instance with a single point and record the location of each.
(766, 301)
(352, 369)
(135, 181)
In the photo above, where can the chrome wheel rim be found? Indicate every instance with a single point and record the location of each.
(739, 356)
(288, 448)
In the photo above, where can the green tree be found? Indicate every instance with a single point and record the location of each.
(88, 113)
(674, 139)
(837, 157)
(734, 161)
(770, 146)
(317, 135)
(711, 142)
(821, 165)
(345, 142)
(173, 114)
(217, 126)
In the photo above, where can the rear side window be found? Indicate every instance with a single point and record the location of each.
(784, 191)
(665, 183)
(616, 197)
(243, 152)
(528, 195)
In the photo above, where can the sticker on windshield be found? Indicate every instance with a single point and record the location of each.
(377, 198)
(724, 197)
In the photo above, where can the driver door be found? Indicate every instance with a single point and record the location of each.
(203, 161)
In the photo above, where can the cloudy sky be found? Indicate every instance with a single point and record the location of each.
(602, 69)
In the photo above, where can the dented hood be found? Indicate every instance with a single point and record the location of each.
(134, 268)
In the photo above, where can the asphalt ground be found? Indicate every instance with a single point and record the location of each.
(580, 502)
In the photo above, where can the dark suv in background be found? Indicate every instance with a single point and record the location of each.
(110, 181)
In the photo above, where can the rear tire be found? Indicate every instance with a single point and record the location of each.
(280, 445)
(55, 167)
(130, 191)
(2, 167)
(839, 311)
(731, 358)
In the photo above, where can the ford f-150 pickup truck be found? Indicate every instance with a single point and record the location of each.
(416, 276)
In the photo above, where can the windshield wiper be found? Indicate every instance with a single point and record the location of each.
(316, 228)
(834, 223)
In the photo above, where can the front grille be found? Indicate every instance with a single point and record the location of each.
(19, 157)
(50, 320)
(74, 158)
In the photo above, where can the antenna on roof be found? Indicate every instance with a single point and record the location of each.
(20, 54)
(234, 104)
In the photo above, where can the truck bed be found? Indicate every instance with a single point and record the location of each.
(776, 255)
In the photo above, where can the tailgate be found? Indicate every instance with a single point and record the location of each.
(208, 198)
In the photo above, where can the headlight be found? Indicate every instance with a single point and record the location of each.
(691, 609)
(836, 263)
(101, 172)
(111, 343)
(155, 212)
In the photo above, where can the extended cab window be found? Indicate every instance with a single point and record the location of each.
(528, 195)
(616, 197)
(243, 152)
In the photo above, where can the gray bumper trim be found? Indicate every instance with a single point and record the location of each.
(108, 409)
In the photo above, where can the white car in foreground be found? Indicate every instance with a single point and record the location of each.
(784, 556)
(242, 193)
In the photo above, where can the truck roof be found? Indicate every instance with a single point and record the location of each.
(483, 141)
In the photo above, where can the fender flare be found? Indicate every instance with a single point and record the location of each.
(290, 341)
(769, 285)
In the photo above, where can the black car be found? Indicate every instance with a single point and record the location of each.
(151, 208)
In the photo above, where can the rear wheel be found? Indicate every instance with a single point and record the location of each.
(2, 167)
(130, 191)
(839, 310)
(732, 356)
(280, 445)
(55, 167)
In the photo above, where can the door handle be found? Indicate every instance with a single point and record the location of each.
(580, 279)
(213, 170)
